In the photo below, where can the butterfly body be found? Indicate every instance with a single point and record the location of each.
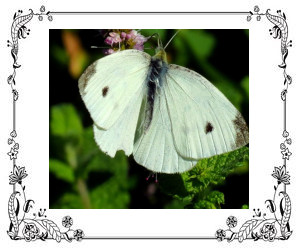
(155, 78)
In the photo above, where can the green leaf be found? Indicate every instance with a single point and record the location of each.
(65, 121)
(61, 170)
(175, 204)
(200, 42)
(245, 85)
(60, 55)
(149, 32)
(216, 197)
(245, 206)
(231, 91)
(203, 204)
(110, 195)
(194, 187)
(68, 201)
(75, 156)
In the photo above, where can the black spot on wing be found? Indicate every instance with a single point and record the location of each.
(208, 128)
(105, 91)
(241, 129)
(86, 76)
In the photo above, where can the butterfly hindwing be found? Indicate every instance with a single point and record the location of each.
(154, 149)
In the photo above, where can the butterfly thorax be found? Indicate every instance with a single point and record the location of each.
(160, 54)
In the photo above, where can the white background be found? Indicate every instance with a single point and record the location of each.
(266, 122)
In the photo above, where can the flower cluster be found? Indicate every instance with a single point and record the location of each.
(124, 39)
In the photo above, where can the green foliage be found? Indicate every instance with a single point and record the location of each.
(93, 178)
(245, 206)
(192, 39)
(61, 170)
(196, 187)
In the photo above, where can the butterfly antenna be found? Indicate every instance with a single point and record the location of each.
(97, 47)
(171, 39)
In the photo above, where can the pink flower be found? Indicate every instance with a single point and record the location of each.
(113, 38)
(123, 35)
(138, 39)
(109, 40)
(124, 39)
(108, 51)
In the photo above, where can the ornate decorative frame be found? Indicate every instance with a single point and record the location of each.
(24, 226)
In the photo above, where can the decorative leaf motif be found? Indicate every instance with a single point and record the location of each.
(283, 95)
(287, 78)
(255, 236)
(52, 229)
(246, 229)
(12, 213)
(283, 15)
(286, 214)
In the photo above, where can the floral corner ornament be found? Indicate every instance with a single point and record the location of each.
(277, 224)
(40, 228)
(23, 225)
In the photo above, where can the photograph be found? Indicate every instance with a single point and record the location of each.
(149, 119)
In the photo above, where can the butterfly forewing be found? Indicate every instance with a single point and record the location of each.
(109, 84)
(204, 123)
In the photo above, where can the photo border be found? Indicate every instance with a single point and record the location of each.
(259, 227)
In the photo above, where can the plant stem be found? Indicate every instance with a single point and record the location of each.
(84, 193)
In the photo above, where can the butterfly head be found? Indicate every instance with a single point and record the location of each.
(160, 52)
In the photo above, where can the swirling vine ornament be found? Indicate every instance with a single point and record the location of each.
(18, 31)
(280, 31)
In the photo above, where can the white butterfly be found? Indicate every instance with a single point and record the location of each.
(167, 116)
